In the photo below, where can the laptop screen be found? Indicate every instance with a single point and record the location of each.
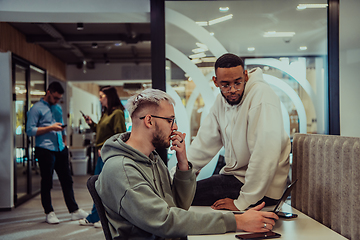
(284, 197)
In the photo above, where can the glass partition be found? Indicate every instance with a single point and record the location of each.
(28, 88)
(286, 39)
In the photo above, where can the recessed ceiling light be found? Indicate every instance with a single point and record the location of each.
(303, 48)
(198, 50)
(202, 23)
(212, 33)
(80, 26)
(251, 49)
(278, 34)
(311, 5)
(220, 19)
(196, 60)
(197, 55)
(209, 59)
(223, 9)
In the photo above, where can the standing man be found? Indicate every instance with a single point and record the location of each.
(246, 119)
(46, 124)
(140, 199)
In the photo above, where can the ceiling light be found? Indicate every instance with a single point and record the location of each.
(223, 9)
(202, 24)
(303, 48)
(209, 59)
(198, 50)
(196, 60)
(310, 5)
(212, 33)
(278, 34)
(197, 55)
(251, 49)
(220, 19)
(80, 26)
(201, 45)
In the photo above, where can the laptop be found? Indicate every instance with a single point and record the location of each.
(284, 197)
(280, 201)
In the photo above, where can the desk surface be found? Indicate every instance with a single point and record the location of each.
(300, 228)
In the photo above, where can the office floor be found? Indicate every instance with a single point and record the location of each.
(28, 220)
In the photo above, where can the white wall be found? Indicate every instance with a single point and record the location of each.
(88, 103)
(349, 68)
(6, 133)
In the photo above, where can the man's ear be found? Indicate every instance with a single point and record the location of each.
(246, 75)
(215, 82)
(147, 121)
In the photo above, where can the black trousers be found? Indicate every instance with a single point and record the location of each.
(220, 186)
(58, 161)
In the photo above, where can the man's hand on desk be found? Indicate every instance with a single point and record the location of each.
(253, 220)
(225, 203)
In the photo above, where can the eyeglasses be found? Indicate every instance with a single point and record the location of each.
(55, 98)
(227, 87)
(171, 120)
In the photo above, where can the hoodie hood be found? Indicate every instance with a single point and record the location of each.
(115, 146)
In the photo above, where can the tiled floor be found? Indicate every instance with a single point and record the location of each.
(28, 220)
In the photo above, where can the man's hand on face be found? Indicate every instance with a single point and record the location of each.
(225, 203)
(178, 144)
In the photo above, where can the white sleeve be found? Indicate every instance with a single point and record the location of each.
(206, 144)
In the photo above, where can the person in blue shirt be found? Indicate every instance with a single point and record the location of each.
(44, 121)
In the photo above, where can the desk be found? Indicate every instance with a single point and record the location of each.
(300, 228)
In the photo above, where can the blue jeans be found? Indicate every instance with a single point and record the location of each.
(58, 161)
(93, 217)
(220, 186)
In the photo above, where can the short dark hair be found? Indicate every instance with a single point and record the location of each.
(113, 99)
(56, 87)
(228, 60)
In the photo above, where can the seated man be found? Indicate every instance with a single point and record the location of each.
(246, 119)
(140, 199)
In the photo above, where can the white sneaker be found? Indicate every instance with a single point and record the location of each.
(97, 224)
(51, 218)
(85, 222)
(79, 214)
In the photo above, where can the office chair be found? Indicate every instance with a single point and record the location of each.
(99, 206)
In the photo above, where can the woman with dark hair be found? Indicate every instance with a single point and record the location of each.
(112, 121)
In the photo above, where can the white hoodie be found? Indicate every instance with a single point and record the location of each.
(256, 145)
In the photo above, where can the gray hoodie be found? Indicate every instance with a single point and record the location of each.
(141, 200)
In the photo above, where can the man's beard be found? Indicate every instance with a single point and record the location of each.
(232, 103)
(159, 141)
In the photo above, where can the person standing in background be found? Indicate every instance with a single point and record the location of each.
(112, 121)
(44, 121)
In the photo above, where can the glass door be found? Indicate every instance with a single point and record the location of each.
(28, 88)
(21, 143)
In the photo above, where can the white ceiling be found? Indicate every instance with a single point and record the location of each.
(250, 20)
